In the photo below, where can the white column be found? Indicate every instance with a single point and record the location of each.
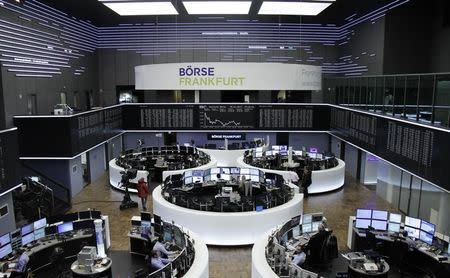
(99, 236)
(197, 96)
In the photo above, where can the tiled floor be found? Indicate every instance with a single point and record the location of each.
(232, 262)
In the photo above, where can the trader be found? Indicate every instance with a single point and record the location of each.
(299, 257)
(142, 189)
(21, 265)
(157, 262)
(159, 246)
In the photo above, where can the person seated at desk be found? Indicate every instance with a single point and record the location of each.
(161, 248)
(411, 243)
(299, 257)
(157, 262)
(20, 266)
(316, 243)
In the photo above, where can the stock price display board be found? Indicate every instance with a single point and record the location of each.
(9, 160)
(226, 117)
(420, 150)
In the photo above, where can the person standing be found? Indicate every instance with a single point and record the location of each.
(142, 189)
(306, 180)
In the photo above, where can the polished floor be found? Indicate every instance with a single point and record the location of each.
(231, 262)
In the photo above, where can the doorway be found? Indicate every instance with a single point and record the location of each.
(31, 104)
(86, 168)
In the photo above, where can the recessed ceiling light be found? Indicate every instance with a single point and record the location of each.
(140, 8)
(217, 7)
(293, 8)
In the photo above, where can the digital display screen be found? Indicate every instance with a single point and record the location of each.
(197, 173)
(397, 218)
(268, 153)
(275, 152)
(315, 226)
(379, 214)
(259, 149)
(254, 172)
(394, 227)
(145, 228)
(307, 228)
(426, 237)
(188, 174)
(188, 180)
(298, 153)
(283, 148)
(296, 231)
(258, 154)
(245, 171)
(27, 239)
(364, 213)
(5, 239)
(259, 208)
(412, 232)
(307, 218)
(235, 170)
(39, 233)
(215, 171)
(200, 179)
(5, 251)
(313, 155)
(65, 227)
(362, 223)
(427, 227)
(26, 229)
(412, 222)
(275, 148)
(41, 223)
(379, 225)
(254, 178)
(167, 235)
(225, 170)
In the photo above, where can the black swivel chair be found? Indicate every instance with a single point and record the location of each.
(399, 254)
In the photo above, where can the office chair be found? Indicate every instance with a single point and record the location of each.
(399, 253)
(57, 260)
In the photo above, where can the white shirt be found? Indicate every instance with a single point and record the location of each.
(161, 248)
(299, 259)
(159, 262)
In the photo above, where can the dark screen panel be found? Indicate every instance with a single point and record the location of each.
(420, 150)
(9, 160)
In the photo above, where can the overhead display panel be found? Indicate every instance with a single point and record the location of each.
(228, 76)
(225, 117)
(419, 150)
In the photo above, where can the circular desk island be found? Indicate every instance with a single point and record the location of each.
(219, 226)
(325, 180)
(141, 161)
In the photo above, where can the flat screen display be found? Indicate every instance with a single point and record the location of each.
(65, 227)
(197, 173)
(379, 225)
(188, 180)
(283, 148)
(5, 251)
(394, 227)
(426, 237)
(315, 226)
(427, 227)
(307, 228)
(379, 214)
(235, 170)
(259, 149)
(5, 239)
(275, 148)
(27, 239)
(215, 171)
(200, 179)
(259, 208)
(275, 152)
(307, 218)
(296, 231)
(313, 155)
(412, 222)
(254, 178)
(26, 229)
(188, 174)
(298, 153)
(412, 232)
(84, 214)
(41, 223)
(167, 235)
(364, 213)
(269, 153)
(146, 216)
(245, 171)
(396, 218)
(96, 214)
(254, 172)
(39, 233)
(362, 223)
(145, 228)
(258, 154)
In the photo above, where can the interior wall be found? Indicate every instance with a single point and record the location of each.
(351, 160)
(76, 175)
(336, 146)
(7, 222)
(369, 168)
(319, 140)
(97, 162)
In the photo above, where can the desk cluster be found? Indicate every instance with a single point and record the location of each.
(227, 189)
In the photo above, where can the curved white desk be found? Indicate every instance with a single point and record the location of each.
(210, 164)
(260, 267)
(200, 266)
(224, 158)
(227, 228)
(322, 180)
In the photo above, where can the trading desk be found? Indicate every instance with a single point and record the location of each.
(361, 266)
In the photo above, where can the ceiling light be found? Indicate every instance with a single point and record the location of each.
(293, 8)
(217, 7)
(140, 8)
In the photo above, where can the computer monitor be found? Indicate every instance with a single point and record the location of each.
(5, 239)
(27, 238)
(146, 216)
(254, 178)
(379, 214)
(412, 232)
(275, 148)
(427, 227)
(84, 224)
(26, 229)
(259, 208)
(295, 221)
(96, 214)
(188, 174)
(84, 214)
(307, 218)
(269, 153)
(275, 152)
(235, 170)
(254, 172)
(307, 228)
(188, 180)
(245, 171)
(396, 218)
(298, 153)
(317, 217)
(412, 222)
(258, 154)
(426, 237)
(167, 235)
(5, 251)
(379, 225)
(200, 179)
(362, 223)
(296, 231)
(39, 233)
(215, 171)
(394, 227)
(41, 223)
(70, 217)
(364, 213)
(313, 155)
(65, 227)
(315, 226)
(50, 230)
